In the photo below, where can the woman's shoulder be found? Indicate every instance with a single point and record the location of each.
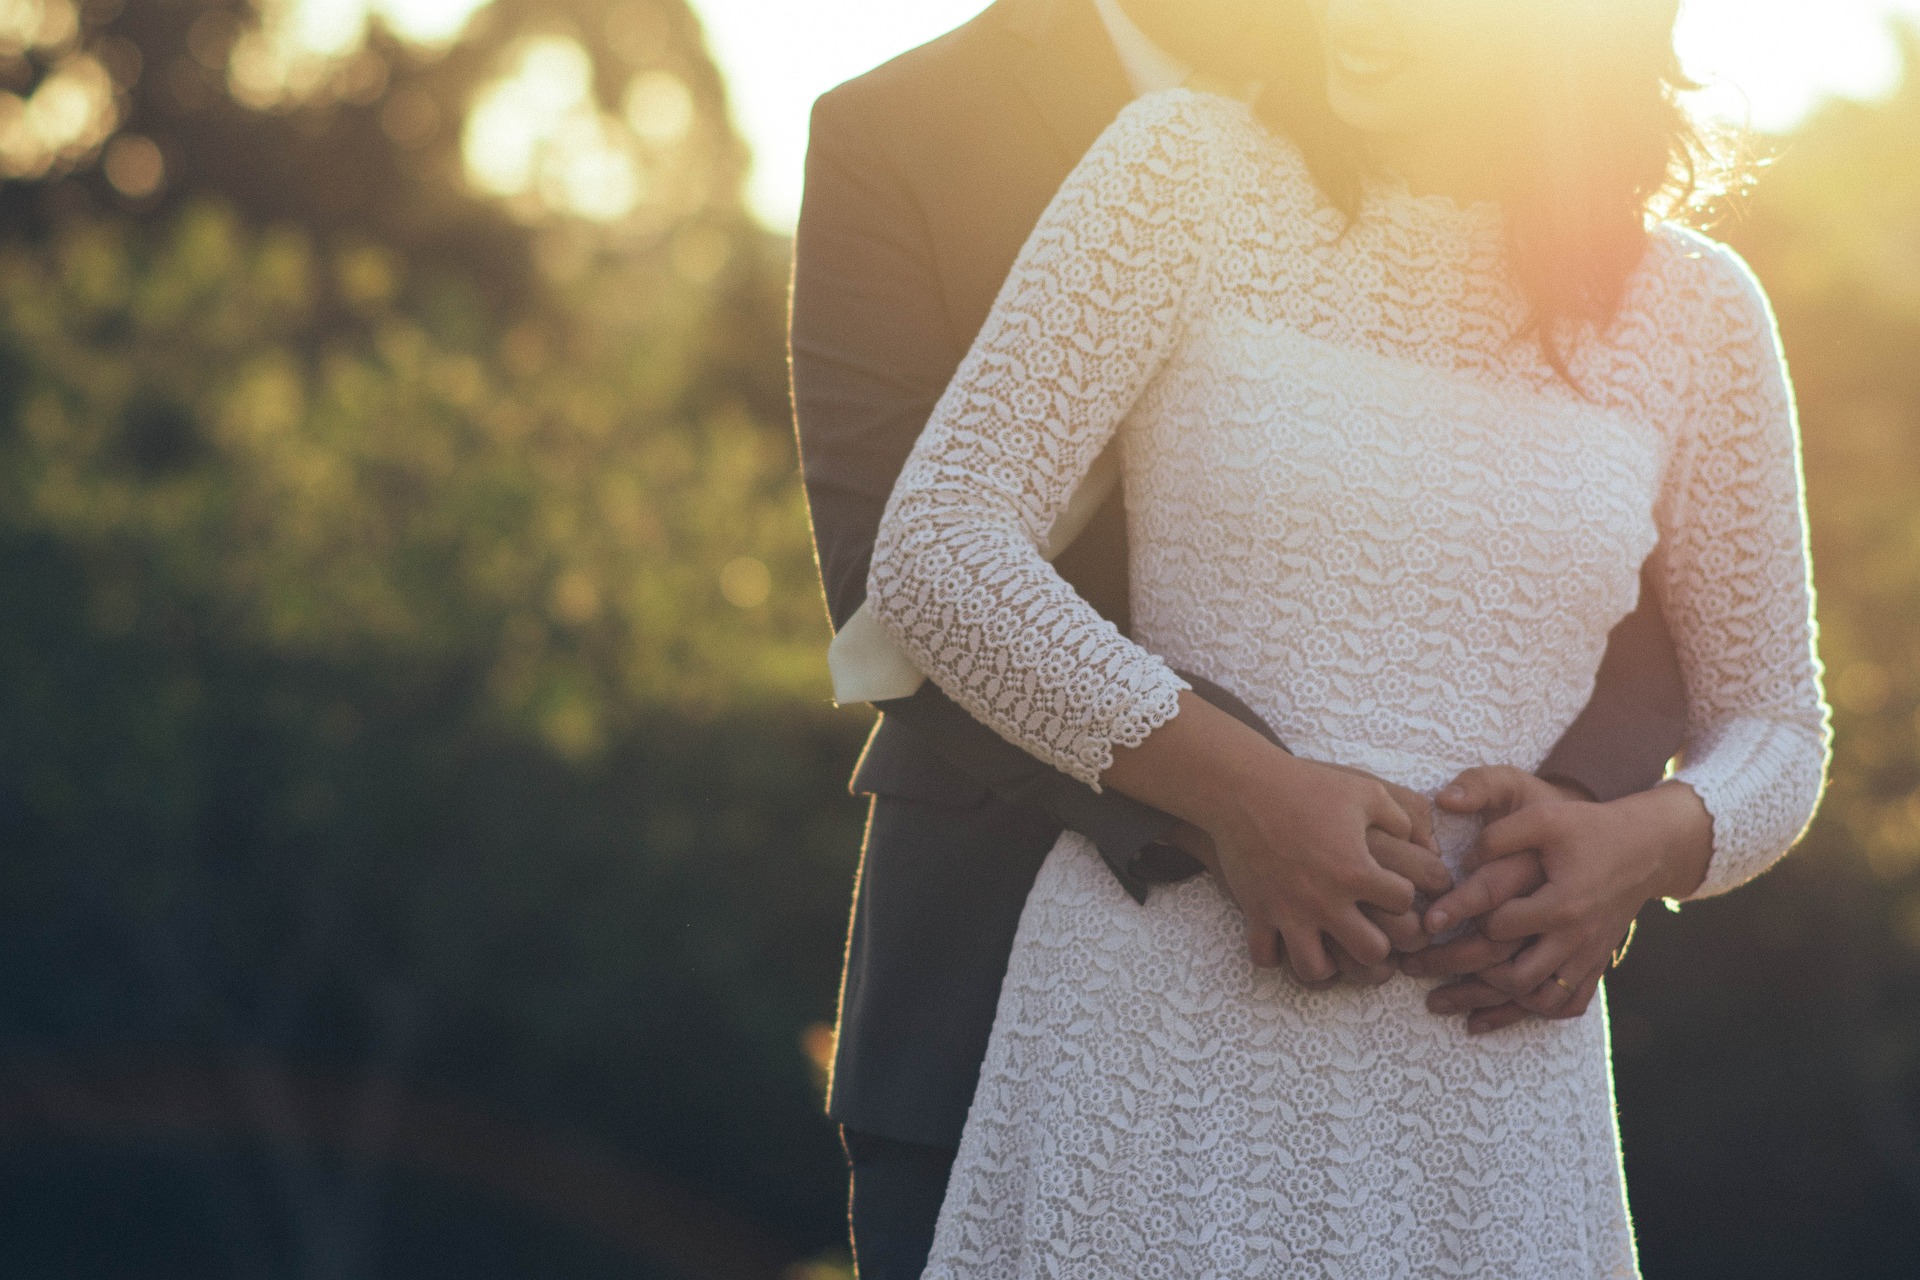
(1702, 284)
(1212, 145)
(1190, 114)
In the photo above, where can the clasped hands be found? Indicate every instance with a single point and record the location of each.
(1331, 867)
(1553, 885)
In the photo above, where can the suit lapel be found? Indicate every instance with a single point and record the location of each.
(1069, 70)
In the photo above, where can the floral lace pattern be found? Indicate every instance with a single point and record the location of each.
(1358, 499)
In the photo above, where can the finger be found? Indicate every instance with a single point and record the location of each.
(1522, 975)
(1554, 1000)
(1420, 809)
(1412, 860)
(1286, 962)
(1460, 957)
(1477, 790)
(1535, 828)
(1384, 812)
(1379, 887)
(1362, 939)
(1547, 998)
(1583, 997)
(1465, 996)
(1486, 890)
(1263, 944)
(1306, 954)
(1348, 968)
(1403, 930)
(1546, 909)
(1352, 970)
(1484, 1022)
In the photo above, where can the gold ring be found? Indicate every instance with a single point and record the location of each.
(1564, 984)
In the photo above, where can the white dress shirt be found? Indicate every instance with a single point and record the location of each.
(1150, 68)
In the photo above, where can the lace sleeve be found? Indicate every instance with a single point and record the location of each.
(1083, 323)
(1738, 592)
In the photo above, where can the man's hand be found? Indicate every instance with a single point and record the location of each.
(1462, 959)
(1487, 1008)
(1559, 881)
(1292, 837)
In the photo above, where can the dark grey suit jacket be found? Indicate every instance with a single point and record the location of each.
(924, 179)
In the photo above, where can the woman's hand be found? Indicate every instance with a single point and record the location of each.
(1407, 857)
(1293, 838)
(1601, 864)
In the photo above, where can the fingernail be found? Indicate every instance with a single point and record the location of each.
(1437, 921)
(1453, 792)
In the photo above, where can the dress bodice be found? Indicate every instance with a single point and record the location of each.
(1360, 497)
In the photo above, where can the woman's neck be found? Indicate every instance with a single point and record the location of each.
(1460, 166)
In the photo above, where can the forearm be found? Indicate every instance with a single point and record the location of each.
(1196, 766)
(1738, 590)
(1142, 844)
(1636, 720)
(1097, 299)
(1678, 848)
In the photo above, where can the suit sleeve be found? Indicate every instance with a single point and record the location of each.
(872, 352)
(1636, 720)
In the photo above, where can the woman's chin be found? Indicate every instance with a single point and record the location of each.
(1364, 110)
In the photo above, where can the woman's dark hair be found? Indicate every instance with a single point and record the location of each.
(1607, 148)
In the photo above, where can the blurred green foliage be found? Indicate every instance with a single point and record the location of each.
(410, 681)
(345, 466)
(1836, 233)
(411, 684)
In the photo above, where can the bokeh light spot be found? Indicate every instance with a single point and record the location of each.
(659, 108)
(135, 166)
(576, 598)
(70, 113)
(538, 132)
(745, 583)
(37, 24)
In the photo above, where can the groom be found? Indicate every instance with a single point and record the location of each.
(924, 178)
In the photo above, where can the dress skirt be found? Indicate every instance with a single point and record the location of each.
(1152, 1107)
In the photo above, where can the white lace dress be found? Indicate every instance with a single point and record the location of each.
(1359, 501)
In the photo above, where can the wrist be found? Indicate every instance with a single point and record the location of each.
(1245, 778)
(1682, 838)
(1203, 766)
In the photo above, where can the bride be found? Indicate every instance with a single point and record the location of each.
(1405, 401)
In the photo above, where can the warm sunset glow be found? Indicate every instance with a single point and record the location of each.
(336, 26)
(67, 115)
(534, 136)
(302, 45)
(1767, 61)
(36, 24)
(538, 138)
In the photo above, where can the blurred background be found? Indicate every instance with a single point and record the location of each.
(424, 845)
